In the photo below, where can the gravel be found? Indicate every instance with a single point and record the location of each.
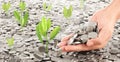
(26, 44)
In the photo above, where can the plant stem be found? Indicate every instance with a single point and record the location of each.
(47, 45)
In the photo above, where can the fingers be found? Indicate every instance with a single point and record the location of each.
(65, 40)
(102, 39)
(81, 47)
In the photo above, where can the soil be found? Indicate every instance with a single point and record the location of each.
(26, 47)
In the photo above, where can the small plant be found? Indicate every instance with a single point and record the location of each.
(67, 12)
(22, 16)
(10, 41)
(82, 4)
(6, 7)
(47, 7)
(42, 31)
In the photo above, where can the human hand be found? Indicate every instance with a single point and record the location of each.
(105, 21)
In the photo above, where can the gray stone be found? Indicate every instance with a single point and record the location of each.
(114, 51)
(90, 26)
(92, 35)
(84, 38)
(39, 55)
(76, 43)
(42, 49)
(47, 58)
(1, 60)
(72, 39)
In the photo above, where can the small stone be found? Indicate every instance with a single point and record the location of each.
(1, 60)
(90, 26)
(38, 56)
(12, 52)
(72, 39)
(92, 35)
(114, 51)
(41, 49)
(118, 55)
(76, 43)
(84, 38)
(46, 58)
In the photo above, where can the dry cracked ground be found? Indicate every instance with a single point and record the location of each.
(26, 44)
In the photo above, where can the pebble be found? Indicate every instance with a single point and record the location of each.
(92, 35)
(84, 38)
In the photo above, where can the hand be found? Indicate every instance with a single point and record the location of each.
(106, 21)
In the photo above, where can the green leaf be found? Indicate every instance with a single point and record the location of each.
(44, 6)
(10, 41)
(17, 16)
(6, 6)
(22, 5)
(70, 11)
(44, 25)
(65, 12)
(38, 33)
(49, 8)
(25, 19)
(48, 23)
(82, 3)
(41, 29)
(54, 32)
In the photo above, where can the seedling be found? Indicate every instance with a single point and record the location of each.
(47, 7)
(67, 12)
(42, 31)
(10, 41)
(22, 16)
(6, 6)
(82, 4)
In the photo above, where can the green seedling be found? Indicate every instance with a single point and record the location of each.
(10, 41)
(22, 16)
(82, 4)
(6, 7)
(67, 12)
(42, 31)
(47, 7)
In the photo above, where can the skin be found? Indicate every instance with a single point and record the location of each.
(106, 19)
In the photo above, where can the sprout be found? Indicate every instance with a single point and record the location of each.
(47, 7)
(10, 41)
(68, 12)
(42, 31)
(22, 16)
(6, 7)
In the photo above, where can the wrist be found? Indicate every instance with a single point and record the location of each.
(114, 9)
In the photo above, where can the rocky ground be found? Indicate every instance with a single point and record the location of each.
(26, 44)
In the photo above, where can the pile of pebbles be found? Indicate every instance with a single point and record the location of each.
(87, 31)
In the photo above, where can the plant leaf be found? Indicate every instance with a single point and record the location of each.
(44, 25)
(44, 6)
(49, 8)
(22, 5)
(38, 33)
(70, 11)
(6, 6)
(54, 32)
(25, 19)
(17, 16)
(10, 41)
(65, 12)
(48, 23)
(41, 29)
